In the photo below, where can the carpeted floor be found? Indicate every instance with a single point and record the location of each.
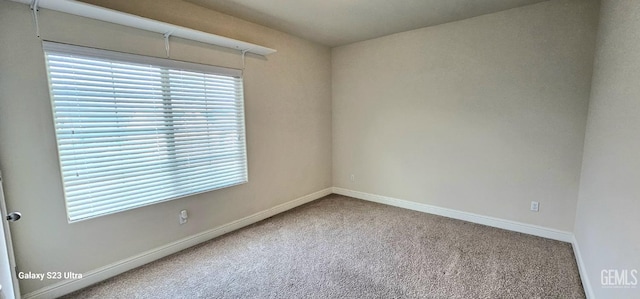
(340, 247)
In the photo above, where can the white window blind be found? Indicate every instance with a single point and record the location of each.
(135, 130)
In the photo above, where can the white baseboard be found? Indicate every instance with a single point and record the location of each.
(525, 228)
(586, 283)
(97, 275)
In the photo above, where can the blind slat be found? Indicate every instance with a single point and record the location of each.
(151, 196)
(122, 188)
(109, 176)
(79, 168)
(180, 148)
(131, 133)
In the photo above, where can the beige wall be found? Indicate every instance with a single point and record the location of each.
(482, 115)
(608, 215)
(288, 119)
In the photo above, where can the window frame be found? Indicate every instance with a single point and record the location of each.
(166, 65)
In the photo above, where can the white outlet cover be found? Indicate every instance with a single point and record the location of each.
(183, 216)
(535, 206)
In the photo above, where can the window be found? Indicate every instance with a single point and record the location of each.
(135, 130)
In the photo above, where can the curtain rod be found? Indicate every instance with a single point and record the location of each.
(126, 19)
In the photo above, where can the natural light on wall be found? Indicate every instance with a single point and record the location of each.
(135, 130)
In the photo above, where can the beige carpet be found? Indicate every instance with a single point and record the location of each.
(340, 247)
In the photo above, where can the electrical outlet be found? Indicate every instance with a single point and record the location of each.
(183, 217)
(352, 177)
(535, 206)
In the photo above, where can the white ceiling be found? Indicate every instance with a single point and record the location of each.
(340, 22)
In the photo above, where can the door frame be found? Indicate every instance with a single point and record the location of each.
(7, 236)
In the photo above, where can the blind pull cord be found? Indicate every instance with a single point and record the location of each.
(244, 52)
(34, 9)
(167, 48)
